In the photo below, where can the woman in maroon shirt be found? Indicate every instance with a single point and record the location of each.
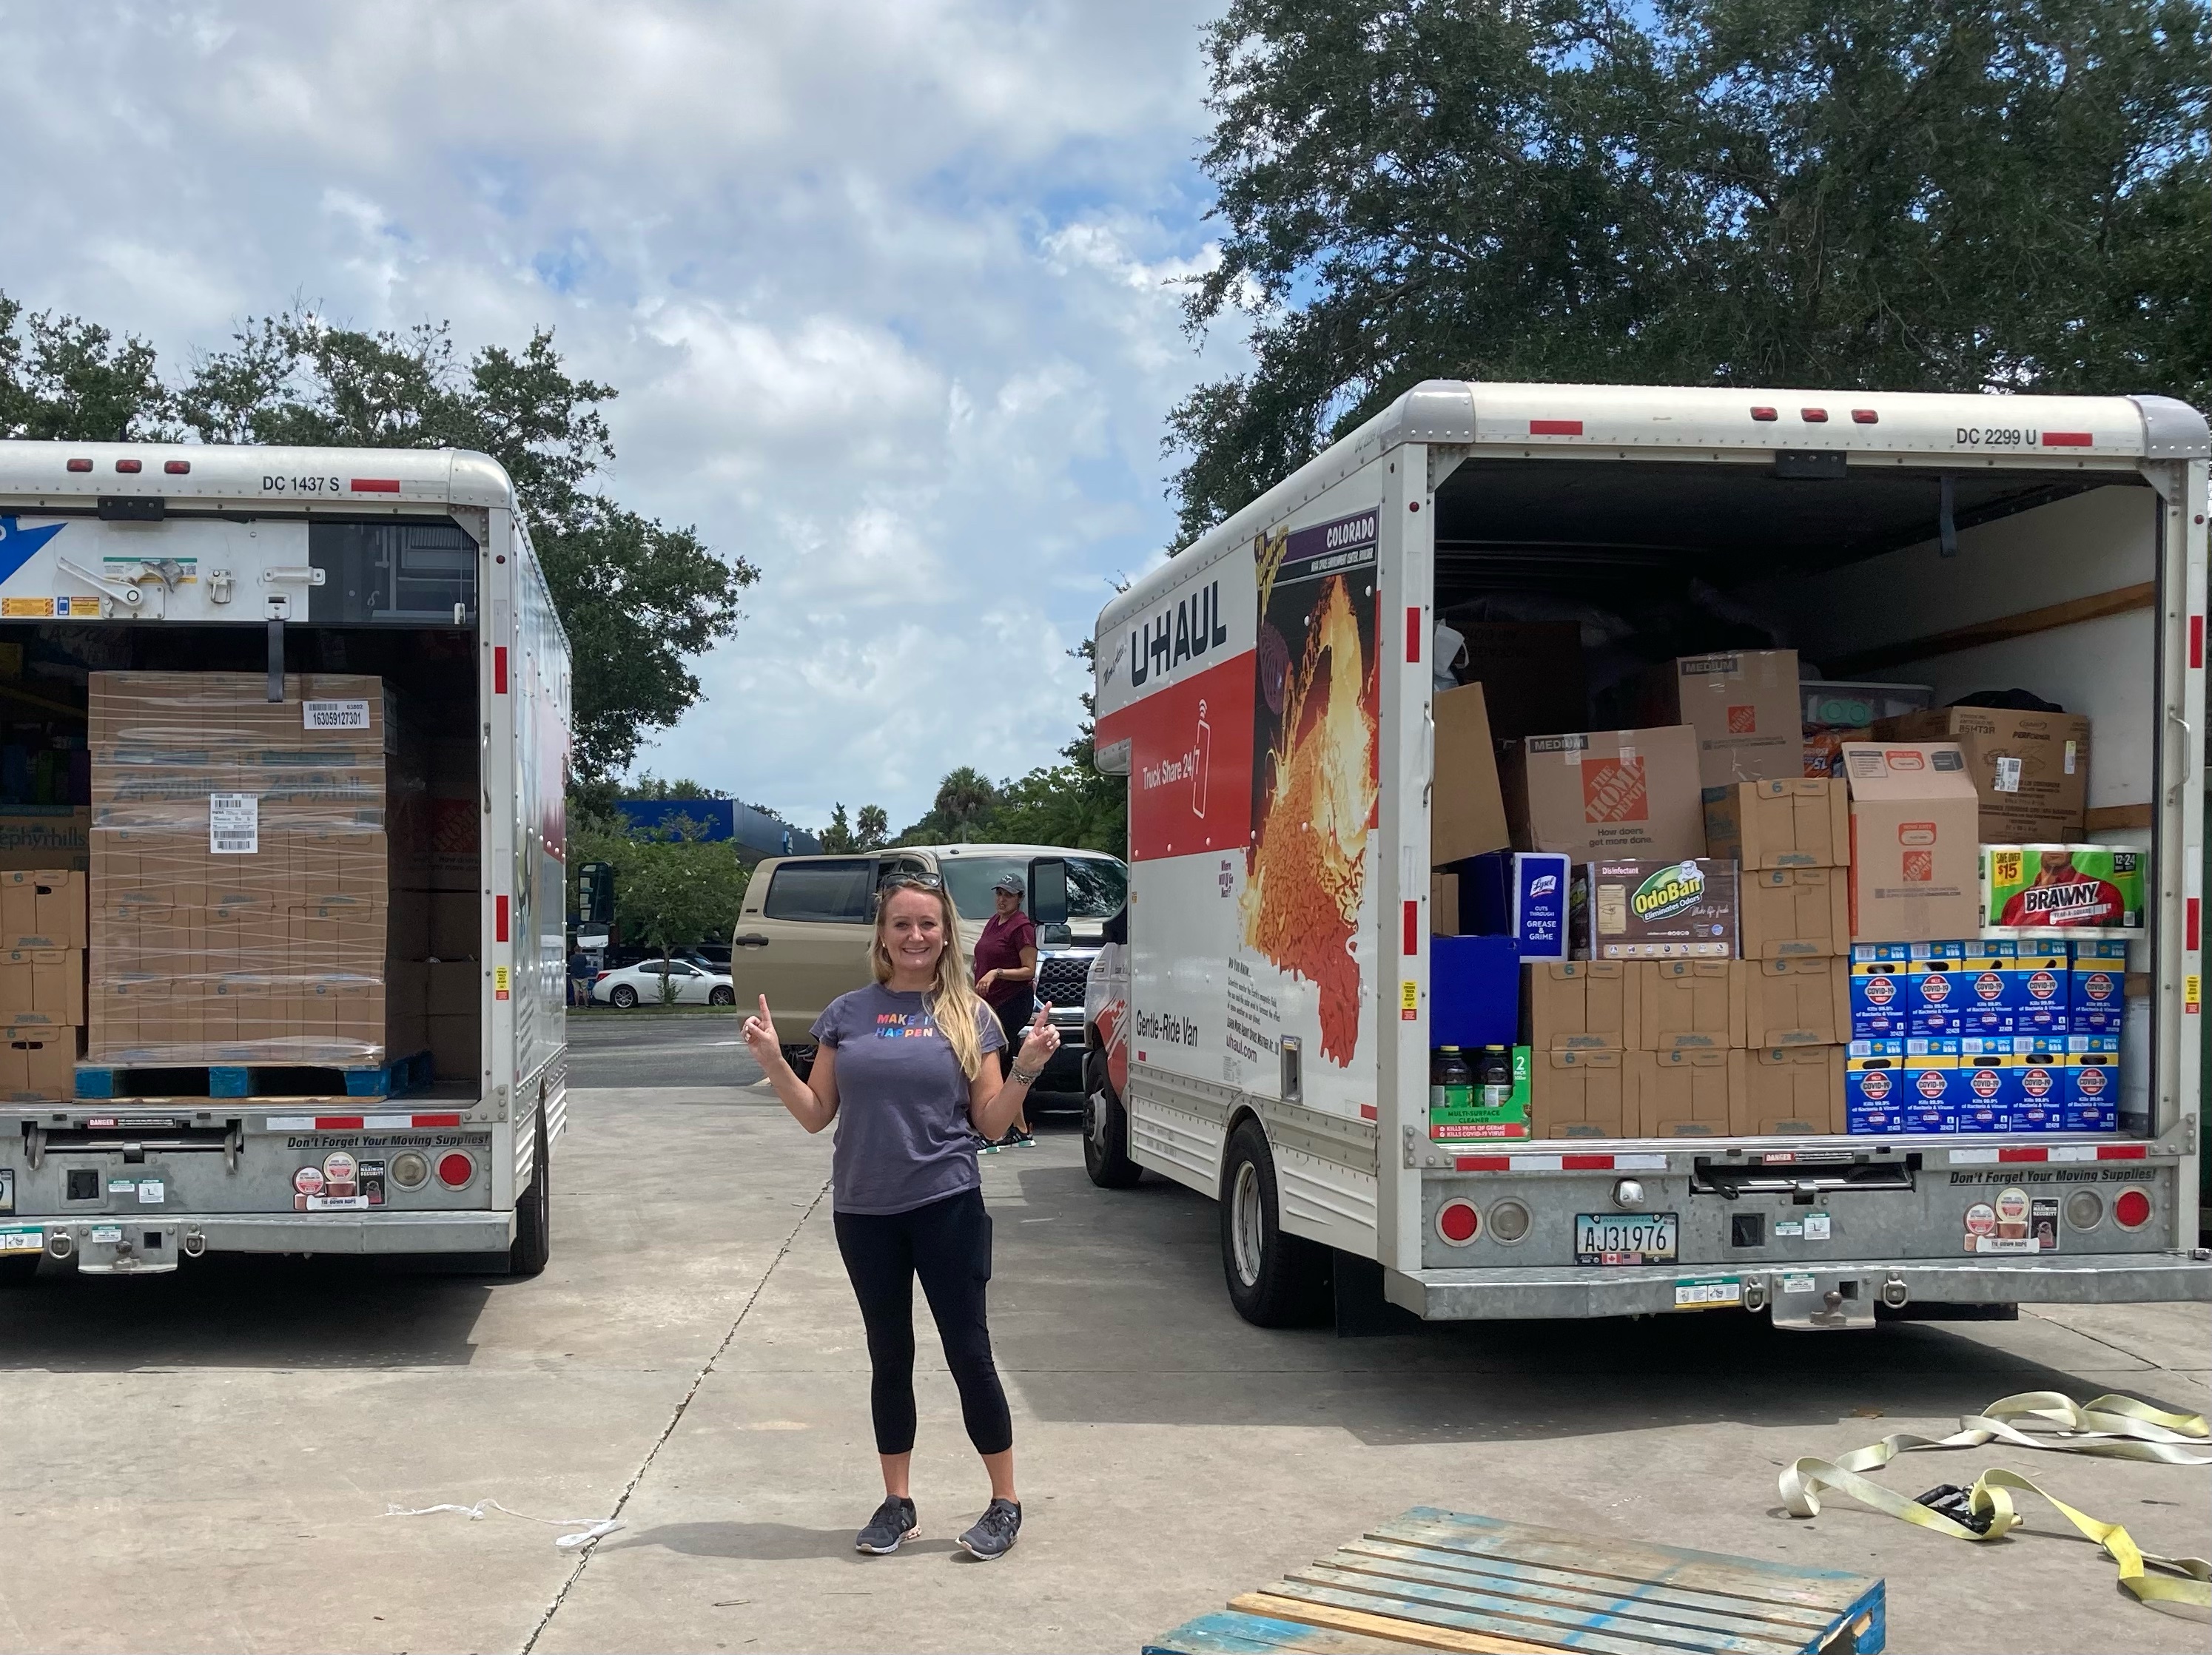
(1006, 974)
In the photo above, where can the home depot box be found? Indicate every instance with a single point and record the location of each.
(1783, 822)
(45, 836)
(42, 908)
(2031, 770)
(1531, 674)
(38, 1065)
(1787, 911)
(1744, 706)
(1789, 1091)
(1467, 812)
(1633, 909)
(1578, 1094)
(1580, 1005)
(1805, 1001)
(42, 987)
(1914, 870)
(1688, 1004)
(1683, 1093)
(1604, 793)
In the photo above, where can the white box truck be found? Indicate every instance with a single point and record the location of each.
(1265, 1025)
(414, 567)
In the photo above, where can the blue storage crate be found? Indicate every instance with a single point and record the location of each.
(1475, 990)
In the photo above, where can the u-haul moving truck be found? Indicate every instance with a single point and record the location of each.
(415, 566)
(1264, 1031)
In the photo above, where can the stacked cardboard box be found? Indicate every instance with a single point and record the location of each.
(240, 880)
(42, 1003)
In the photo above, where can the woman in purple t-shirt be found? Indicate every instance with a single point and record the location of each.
(903, 1067)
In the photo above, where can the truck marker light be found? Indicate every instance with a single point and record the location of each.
(1813, 416)
(2188, 925)
(1458, 1223)
(456, 1168)
(1413, 634)
(2131, 1211)
(376, 485)
(80, 465)
(2068, 439)
(1412, 927)
(1555, 428)
(1765, 414)
(499, 670)
(2196, 640)
(130, 468)
(177, 468)
(499, 920)
(1865, 416)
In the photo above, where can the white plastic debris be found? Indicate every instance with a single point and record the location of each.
(589, 1528)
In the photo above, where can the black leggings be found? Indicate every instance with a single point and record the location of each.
(947, 1244)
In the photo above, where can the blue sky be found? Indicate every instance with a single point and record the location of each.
(886, 286)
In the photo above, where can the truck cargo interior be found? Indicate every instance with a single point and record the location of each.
(426, 938)
(1570, 579)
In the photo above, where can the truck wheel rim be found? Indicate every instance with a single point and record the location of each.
(1246, 1221)
(1094, 1120)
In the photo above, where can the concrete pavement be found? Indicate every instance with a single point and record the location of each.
(201, 1461)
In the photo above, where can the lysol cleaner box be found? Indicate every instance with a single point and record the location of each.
(2096, 990)
(1880, 1004)
(2093, 1083)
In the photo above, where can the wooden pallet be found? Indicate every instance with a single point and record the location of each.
(299, 1081)
(1438, 1580)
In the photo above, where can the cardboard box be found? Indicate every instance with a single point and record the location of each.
(1580, 1005)
(1791, 911)
(1522, 894)
(2031, 770)
(1915, 816)
(1689, 1006)
(42, 908)
(1744, 706)
(456, 1046)
(1786, 822)
(1796, 1002)
(1443, 905)
(456, 924)
(1882, 1003)
(1604, 793)
(38, 1065)
(1790, 1091)
(1683, 1093)
(1578, 1094)
(1630, 909)
(42, 987)
(1466, 813)
(45, 836)
(2096, 1000)
(1531, 674)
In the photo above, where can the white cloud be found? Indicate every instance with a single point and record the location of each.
(887, 288)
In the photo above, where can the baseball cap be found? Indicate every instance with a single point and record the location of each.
(1014, 882)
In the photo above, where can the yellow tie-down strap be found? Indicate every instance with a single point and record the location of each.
(2111, 1427)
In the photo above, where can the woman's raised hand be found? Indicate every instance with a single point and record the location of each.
(760, 1037)
(1040, 1040)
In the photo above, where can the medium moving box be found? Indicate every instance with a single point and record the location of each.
(1467, 814)
(1531, 674)
(2031, 770)
(1689, 1005)
(1744, 705)
(1683, 1094)
(1805, 1001)
(1787, 912)
(1798, 822)
(1580, 1005)
(1604, 793)
(1578, 1095)
(42, 908)
(42, 987)
(1790, 1091)
(1915, 822)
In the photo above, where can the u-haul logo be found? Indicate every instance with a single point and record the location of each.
(1162, 642)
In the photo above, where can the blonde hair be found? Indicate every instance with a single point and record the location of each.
(952, 1002)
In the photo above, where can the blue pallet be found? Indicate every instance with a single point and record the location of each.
(413, 1073)
(1442, 1579)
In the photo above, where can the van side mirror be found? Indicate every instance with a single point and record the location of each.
(1049, 891)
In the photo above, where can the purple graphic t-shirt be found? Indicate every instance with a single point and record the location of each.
(903, 1139)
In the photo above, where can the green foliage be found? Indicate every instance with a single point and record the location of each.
(650, 786)
(1885, 194)
(669, 895)
(62, 377)
(873, 829)
(965, 801)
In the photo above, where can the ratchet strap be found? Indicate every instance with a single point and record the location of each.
(2109, 1427)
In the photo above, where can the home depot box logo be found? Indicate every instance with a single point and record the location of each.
(1613, 789)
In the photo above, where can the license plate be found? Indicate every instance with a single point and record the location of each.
(1625, 1238)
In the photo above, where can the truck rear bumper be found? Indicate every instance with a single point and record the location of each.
(1797, 1293)
(93, 1243)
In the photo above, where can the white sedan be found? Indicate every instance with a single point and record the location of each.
(639, 984)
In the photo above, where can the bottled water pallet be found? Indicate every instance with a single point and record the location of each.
(97, 1081)
(1441, 1581)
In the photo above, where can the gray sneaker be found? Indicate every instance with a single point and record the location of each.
(893, 1525)
(995, 1531)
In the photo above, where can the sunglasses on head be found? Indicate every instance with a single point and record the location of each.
(911, 883)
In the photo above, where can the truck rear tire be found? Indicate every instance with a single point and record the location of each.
(533, 1215)
(1275, 1279)
(1105, 1129)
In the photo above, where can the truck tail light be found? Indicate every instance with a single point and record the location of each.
(1458, 1223)
(2131, 1210)
(1764, 414)
(80, 465)
(2084, 1209)
(130, 468)
(178, 468)
(455, 1168)
(1509, 1221)
(1865, 416)
(1813, 416)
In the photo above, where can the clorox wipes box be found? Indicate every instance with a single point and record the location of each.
(1915, 813)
